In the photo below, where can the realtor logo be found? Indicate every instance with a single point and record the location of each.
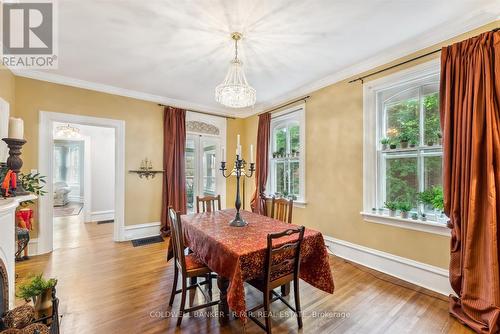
(28, 35)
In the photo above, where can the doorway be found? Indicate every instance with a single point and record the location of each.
(46, 165)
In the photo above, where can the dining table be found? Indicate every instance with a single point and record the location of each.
(237, 254)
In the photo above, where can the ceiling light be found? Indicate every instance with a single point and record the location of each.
(234, 91)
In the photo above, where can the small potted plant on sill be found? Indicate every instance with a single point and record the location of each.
(39, 290)
(404, 208)
(414, 216)
(393, 145)
(423, 217)
(404, 138)
(281, 153)
(392, 207)
(413, 142)
(385, 143)
(275, 154)
(374, 210)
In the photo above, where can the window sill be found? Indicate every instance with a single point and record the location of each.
(417, 225)
(299, 204)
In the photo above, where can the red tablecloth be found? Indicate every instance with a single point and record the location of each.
(238, 253)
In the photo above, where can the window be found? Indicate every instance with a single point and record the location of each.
(287, 155)
(403, 153)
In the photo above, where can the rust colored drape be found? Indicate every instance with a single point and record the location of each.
(174, 180)
(258, 202)
(470, 120)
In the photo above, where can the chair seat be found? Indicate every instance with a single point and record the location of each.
(195, 265)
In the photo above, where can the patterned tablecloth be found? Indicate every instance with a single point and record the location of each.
(238, 253)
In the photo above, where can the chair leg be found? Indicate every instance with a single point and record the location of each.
(174, 286)
(183, 302)
(267, 311)
(297, 301)
(209, 278)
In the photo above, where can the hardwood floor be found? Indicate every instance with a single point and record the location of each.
(107, 287)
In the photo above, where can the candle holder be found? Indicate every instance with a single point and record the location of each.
(238, 170)
(15, 163)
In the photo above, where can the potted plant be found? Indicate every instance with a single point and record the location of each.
(385, 143)
(281, 152)
(413, 142)
(437, 200)
(414, 216)
(39, 290)
(393, 145)
(423, 216)
(404, 208)
(374, 210)
(404, 138)
(392, 206)
(275, 154)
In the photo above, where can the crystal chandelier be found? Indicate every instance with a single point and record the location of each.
(67, 131)
(235, 92)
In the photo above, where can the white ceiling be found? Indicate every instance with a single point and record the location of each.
(177, 51)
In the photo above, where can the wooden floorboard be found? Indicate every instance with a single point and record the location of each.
(108, 287)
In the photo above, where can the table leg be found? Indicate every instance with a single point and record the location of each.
(285, 289)
(223, 284)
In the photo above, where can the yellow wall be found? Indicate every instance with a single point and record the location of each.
(143, 129)
(334, 168)
(7, 87)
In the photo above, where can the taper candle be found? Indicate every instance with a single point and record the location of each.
(223, 156)
(251, 153)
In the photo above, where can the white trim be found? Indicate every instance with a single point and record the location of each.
(98, 87)
(371, 121)
(436, 35)
(45, 162)
(421, 274)
(411, 224)
(296, 112)
(138, 231)
(4, 129)
(99, 216)
(33, 247)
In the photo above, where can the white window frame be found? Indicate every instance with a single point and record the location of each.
(371, 127)
(295, 113)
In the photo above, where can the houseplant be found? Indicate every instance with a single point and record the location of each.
(404, 138)
(392, 206)
(39, 290)
(385, 143)
(404, 208)
(413, 142)
(414, 216)
(393, 144)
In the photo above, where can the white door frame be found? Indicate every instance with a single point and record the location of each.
(45, 165)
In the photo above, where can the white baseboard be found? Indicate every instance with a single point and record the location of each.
(98, 216)
(32, 247)
(421, 274)
(142, 230)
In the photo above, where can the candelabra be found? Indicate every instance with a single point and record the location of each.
(238, 170)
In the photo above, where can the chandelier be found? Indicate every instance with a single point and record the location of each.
(67, 131)
(234, 91)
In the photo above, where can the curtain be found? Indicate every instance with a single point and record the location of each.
(258, 202)
(174, 180)
(470, 120)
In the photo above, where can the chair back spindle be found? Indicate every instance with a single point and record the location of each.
(208, 203)
(281, 209)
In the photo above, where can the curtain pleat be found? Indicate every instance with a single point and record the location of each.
(258, 202)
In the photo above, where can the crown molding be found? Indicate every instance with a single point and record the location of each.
(435, 36)
(68, 81)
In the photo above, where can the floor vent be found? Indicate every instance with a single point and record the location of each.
(147, 241)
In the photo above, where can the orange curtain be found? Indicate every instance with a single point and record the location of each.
(174, 180)
(258, 202)
(470, 120)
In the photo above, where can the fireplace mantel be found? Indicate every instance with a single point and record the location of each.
(8, 238)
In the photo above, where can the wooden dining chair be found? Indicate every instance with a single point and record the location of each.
(282, 266)
(188, 267)
(281, 209)
(208, 203)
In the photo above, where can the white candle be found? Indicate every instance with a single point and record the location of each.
(16, 128)
(237, 156)
(239, 151)
(251, 153)
(238, 141)
(223, 156)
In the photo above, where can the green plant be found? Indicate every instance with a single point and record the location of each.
(385, 141)
(33, 183)
(438, 198)
(35, 287)
(426, 196)
(404, 137)
(404, 206)
(393, 206)
(413, 142)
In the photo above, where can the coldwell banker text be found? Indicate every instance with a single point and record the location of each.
(28, 35)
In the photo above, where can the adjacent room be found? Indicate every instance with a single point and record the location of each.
(250, 166)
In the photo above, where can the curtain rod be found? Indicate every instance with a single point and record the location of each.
(402, 63)
(287, 104)
(203, 112)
